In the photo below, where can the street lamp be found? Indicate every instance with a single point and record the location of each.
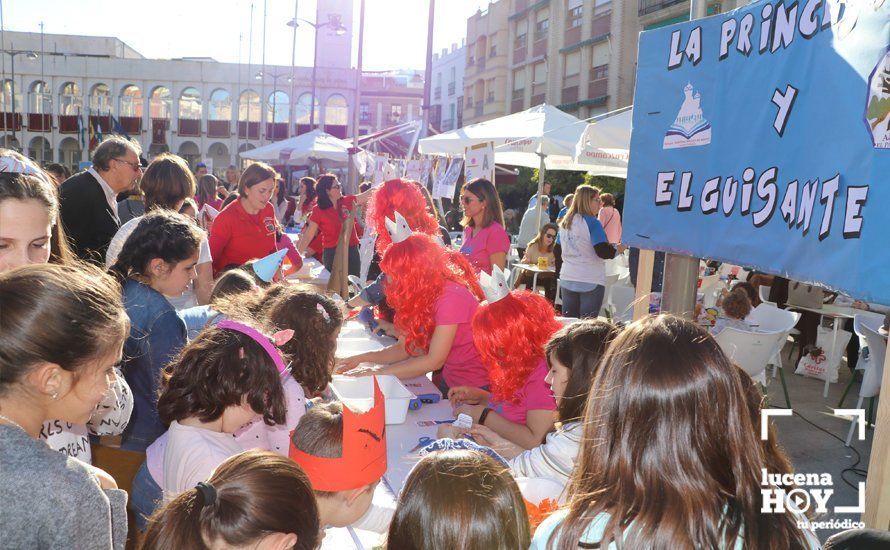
(274, 76)
(12, 53)
(336, 25)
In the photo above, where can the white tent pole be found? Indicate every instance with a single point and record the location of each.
(541, 172)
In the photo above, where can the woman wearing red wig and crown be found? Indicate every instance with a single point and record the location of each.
(434, 293)
(510, 330)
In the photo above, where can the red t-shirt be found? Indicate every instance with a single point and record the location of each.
(330, 222)
(237, 237)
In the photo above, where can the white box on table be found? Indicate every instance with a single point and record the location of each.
(360, 392)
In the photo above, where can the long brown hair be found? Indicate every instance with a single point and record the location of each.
(316, 320)
(459, 499)
(670, 451)
(254, 494)
(486, 192)
(579, 347)
(62, 314)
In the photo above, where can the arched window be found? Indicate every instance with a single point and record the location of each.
(336, 111)
(100, 99)
(6, 97)
(131, 102)
(40, 100)
(279, 105)
(220, 107)
(190, 104)
(249, 106)
(303, 109)
(159, 103)
(70, 100)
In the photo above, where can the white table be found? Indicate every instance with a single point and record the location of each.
(312, 272)
(401, 439)
(536, 270)
(833, 312)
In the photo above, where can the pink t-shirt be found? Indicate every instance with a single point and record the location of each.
(610, 219)
(478, 248)
(534, 396)
(259, 435)
(463, 366)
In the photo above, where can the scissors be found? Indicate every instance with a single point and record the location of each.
(421, 443)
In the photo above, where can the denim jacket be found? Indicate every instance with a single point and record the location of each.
(157, 334)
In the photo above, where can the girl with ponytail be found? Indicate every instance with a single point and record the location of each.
(158, 259)
(256, 499)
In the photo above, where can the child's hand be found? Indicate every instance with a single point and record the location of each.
(466, 394)
(448, 431)
(365, 369)
(347, 363)
(486, 436)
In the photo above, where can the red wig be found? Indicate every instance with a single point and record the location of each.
(510, 335)
(404, 197)
(417, 270)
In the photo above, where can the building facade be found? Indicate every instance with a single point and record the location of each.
(579, 55)
(76, 88)
(446, 103)
(389, 98)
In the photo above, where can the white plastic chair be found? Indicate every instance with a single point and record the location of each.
(769, 318)
(871, 377)
(763, 291)
(750, 350)
(865, 319)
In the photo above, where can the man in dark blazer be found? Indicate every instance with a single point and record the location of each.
(89, 199)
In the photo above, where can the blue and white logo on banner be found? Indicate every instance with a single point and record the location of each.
(762, 136)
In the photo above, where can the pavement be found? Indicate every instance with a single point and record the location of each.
(811, 449)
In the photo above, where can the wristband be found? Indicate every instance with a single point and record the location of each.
(484, 415)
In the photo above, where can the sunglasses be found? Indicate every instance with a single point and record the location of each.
(466, 199)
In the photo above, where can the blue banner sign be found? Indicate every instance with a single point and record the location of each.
(761, 136)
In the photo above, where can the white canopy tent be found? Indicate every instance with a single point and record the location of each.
(520, 139)
(604, 147)
(310, 147)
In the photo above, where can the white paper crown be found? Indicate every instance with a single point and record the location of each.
(398, 229)
(495, 285)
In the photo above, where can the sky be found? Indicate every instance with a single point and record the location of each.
(395, 30)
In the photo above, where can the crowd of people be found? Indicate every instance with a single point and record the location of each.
(174, 337)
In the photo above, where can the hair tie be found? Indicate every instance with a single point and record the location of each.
(324, 312)
(207, 491)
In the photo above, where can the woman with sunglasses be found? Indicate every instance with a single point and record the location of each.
(541, 247)
(326, 220)
(485, 241)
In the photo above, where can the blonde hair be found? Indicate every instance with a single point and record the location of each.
(583, 196)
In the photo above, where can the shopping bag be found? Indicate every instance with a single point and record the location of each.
(816, 362)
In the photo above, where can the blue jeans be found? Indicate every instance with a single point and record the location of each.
(145, 497)
(582, 304)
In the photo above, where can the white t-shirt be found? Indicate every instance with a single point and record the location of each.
(111, 418)
(259, 435)
(191, 456)
(186, 299)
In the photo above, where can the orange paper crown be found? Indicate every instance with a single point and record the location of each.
(363, 460)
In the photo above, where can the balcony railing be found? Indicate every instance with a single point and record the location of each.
(477, 110)
(480, 64)
(437, 93)
(447, 125)
(651, 6)
(451, 88)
